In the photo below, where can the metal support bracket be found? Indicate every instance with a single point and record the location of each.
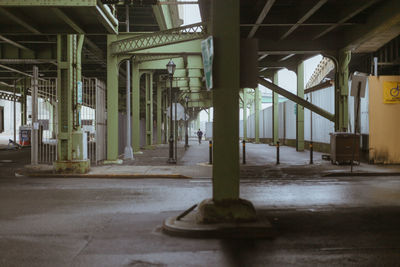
(157, 39)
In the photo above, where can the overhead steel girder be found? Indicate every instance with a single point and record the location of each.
(193, 62)
(300, 101)
(9, 96)
(157, 39)
(144, 57)
(200, 104)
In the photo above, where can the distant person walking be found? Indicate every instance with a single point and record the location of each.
(199, 135)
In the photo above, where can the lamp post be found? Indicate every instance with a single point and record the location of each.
(171, 69)
(186, 123)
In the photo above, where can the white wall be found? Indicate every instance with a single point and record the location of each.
(321, 127)
(9, 116)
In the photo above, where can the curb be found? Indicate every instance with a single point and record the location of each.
(258, 230)
(104, 176)
(347, 174)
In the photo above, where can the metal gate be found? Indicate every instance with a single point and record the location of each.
(44, 120)
(101, 121)
(93, 118)
(45, 123)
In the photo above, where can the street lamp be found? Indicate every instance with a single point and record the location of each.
(186, 123)
(171, 69)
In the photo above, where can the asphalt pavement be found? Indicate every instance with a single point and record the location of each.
(117, 222)
(319, 220)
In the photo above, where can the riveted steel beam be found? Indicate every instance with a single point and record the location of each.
(9, 96)
(157, 39)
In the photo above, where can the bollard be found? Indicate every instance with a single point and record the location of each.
(244, 152)
(277, 152)
(210, 151)
(311, 153)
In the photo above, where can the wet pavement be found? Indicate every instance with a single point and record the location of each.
(321, 221)
(101, 222)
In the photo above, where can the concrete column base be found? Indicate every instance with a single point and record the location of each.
(225, 219)
(237, 210)
(111, 162)
(72, 166)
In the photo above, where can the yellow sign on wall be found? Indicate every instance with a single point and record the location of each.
(391, 92)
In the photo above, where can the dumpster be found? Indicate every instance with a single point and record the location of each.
(342, 147)
(25, 135)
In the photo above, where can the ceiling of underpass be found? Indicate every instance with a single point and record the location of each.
(293, 30)
(288, 31)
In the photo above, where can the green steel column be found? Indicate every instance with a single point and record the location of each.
(135, 107)
(300, 110)
(257, 115)
(275, 113)
(342, 91)
(112, 102)
(209, 114)
(245, 114)
(198, 121)
(159, 112)
(225, 30)
(70, 136)
(149, 109)
(65, 46)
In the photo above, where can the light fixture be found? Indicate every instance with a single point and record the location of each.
(171, 67)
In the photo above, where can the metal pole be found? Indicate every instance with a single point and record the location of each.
(34, 131)
(375, 66)
(128, 148)
(277, 152)
(311, 153)
(15, 115)
(210, 152)
(176, 128)
(186, 127)
(244, 151)
(171, 129)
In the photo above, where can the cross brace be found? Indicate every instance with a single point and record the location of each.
(157, 39)
(297, 99)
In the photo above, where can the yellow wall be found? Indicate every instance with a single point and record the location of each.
(384, 123)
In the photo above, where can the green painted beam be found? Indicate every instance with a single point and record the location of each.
(149, 107)
(226, 31)
(275, 111)
(159, 39)
(52, 3)
(159, 111)
(112, 103)
(245, 103)
(296, 99)
(257, 114)
(16, 19)
(194, 62)
(135, 107)
(206, 103)
(70, 155)
(189, 47)
(300, 109)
